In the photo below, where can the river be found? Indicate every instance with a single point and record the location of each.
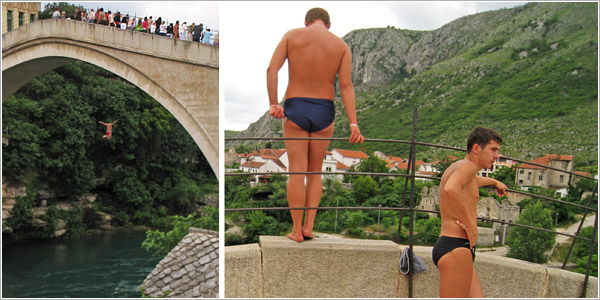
(105, 265)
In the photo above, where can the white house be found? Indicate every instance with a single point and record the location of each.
(532, 175)
(348, 157)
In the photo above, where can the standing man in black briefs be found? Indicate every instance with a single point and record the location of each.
(454, 252)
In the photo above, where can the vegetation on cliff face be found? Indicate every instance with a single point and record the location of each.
(529, 72)
(149, 170)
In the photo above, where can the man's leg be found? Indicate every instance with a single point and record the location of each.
(314, 186)
(298, 159)
(475, 291)
(456, 272)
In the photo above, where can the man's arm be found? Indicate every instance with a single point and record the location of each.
(486, 181)
(348, 96)
(277, 61)
(454, 189)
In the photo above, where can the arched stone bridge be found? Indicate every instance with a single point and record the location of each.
(183, 76)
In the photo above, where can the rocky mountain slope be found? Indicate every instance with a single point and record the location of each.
(529, 72)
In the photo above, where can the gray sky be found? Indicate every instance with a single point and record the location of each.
(250, 32)
(205, 12)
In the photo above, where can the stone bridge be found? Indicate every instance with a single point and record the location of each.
(183, 76)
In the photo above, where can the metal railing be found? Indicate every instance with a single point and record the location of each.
(411, 208)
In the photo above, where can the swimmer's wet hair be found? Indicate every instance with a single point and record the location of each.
(317, 13)
(482, 136)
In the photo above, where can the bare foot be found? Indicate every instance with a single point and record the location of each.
(307, 234)
(295, 237)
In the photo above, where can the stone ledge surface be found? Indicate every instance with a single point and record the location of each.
(327, 268)
(243, 271)
(348, 268)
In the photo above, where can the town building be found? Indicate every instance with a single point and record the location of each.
(533, 175)
(17, 14)
(349, 157)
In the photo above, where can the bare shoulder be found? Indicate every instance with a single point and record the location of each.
(465, 167)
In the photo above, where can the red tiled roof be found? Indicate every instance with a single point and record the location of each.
(391, 165)
(252, 164)
(545, 161)
(395, 158)
(341, 166)
(351, 153)
(404, 165)
(584, 173)
(426, 173)
(278, 152)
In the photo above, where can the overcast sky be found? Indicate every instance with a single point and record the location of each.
(250, 31)
(205, 12)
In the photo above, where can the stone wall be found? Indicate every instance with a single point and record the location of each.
(278, 267)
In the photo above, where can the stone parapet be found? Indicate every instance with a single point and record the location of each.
(277, 267)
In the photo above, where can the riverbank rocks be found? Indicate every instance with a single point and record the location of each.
(190, 270)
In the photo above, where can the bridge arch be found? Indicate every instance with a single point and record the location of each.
(181, 75)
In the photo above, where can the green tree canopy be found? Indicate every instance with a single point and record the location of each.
(528, 244)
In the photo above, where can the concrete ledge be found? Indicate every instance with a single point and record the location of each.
(243, 272)
(329, 268)
(348, 268)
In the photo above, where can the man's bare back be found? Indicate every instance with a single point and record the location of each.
(314, 58)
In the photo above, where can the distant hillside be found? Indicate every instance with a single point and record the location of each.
(529, 72)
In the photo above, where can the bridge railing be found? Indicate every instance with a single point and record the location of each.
(411, 176)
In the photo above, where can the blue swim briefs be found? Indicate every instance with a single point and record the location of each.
(310, 114)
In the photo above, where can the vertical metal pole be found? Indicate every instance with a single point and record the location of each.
(402, 203)
(580, 225)
(412, 204)
(589, 264)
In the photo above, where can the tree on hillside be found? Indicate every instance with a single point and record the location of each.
(62, 6)
(506, 176)
(528, 244)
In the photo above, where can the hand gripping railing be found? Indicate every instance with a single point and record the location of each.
(412, 176)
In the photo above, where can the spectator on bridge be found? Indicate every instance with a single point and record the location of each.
(111, 19)
(117, 19)
(176, 30)
(183, 31)
(162, 29)
(158, 23)
(130, 23)
(170, 30)
(197, 33)
(77, 14)
(206, 36)
(56, 14)
(102, 17)
(150, 20)
(153, 27)
(216, 41)
(124, 22)
(145, 25)
(97, 17)
(83, 16)
(91, 16)
(190, 31)
(139, 27)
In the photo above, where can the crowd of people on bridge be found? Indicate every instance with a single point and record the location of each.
(193, 32)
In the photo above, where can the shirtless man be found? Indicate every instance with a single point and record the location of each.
(315, 56)
(108, 134)
(454, 252)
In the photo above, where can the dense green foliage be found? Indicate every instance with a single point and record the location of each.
(363, 192)
(160, 243)
(531, 245)
(62, 6)
(150, 169)
(581, 252)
